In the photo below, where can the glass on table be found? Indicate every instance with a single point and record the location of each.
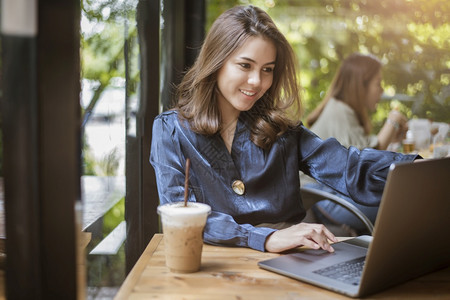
(183, 234)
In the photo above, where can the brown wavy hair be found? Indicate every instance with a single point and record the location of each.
(350, 85)
(277, 110)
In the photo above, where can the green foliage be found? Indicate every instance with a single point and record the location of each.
(106, 166)
(412, 38)
(215, 8)
(103, 54)
(109, 30)
(109, 164)
(89, 163)
(108, 10)
(108, 270)
(114, 216)
(112, 26)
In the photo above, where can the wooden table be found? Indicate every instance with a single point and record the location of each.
(233, 273)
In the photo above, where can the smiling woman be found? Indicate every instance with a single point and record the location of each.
(233, 121)
(222, 44)
(244, 78)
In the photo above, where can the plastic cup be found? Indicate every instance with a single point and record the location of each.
(183, 234)
(408, 146)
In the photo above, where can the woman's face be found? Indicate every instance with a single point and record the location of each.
(374, 92)
(245, 76)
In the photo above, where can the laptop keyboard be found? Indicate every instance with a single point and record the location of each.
(348, 272)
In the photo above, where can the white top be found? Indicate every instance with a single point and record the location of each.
(339, 120)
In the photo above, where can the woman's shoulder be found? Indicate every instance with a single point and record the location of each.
(339, 105)
(337, 112)
(295, 130)
(171, 121)
(166, 121)
(168, 115)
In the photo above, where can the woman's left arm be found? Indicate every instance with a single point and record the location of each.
(359, 174)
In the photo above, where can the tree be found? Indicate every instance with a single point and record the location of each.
(112, 27)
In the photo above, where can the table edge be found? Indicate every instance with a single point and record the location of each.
(135, 273)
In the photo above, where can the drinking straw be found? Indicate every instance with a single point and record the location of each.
(186, 181)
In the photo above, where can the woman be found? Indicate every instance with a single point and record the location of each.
(236, 120)
(344, 114)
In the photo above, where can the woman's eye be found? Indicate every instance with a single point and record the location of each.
(244, 65)
(268, 69)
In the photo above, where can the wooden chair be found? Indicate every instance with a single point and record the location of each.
(310, 196)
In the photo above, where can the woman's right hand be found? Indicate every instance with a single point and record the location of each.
(393, 131)
(397, 117)
(303, 234)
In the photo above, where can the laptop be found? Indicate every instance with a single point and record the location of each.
(410, 238)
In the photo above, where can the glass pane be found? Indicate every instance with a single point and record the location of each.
(109, 75)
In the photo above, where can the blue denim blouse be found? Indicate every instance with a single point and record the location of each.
(271, 177)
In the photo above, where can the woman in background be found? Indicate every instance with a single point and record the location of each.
(344, 114)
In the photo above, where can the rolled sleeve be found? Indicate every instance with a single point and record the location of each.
(257, 237)
(221, 229)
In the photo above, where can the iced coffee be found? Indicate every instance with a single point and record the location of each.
(183, 234)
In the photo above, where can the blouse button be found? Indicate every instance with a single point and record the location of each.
(238, 187)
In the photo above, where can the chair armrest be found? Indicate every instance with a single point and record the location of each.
(310, 196)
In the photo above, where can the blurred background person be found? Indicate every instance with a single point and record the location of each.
(344, 114)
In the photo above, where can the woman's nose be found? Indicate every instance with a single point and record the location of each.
(254, 78)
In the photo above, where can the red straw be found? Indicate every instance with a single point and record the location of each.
(186, 181)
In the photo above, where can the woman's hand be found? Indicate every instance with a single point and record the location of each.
(304, 234)
(401, 126)
(394, 130)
